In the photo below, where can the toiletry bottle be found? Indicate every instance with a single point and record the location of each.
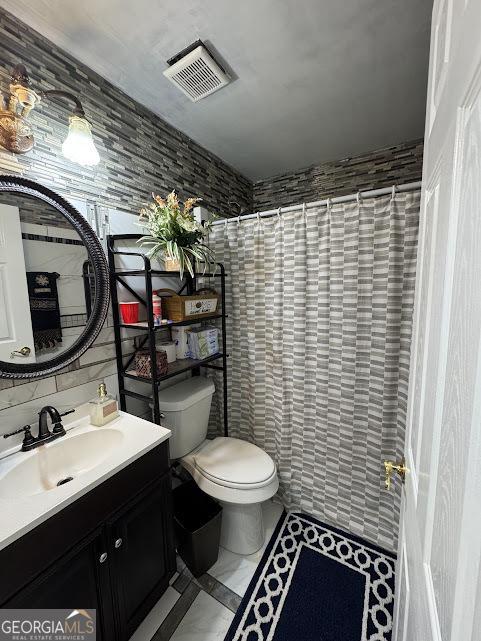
(104, 408)
(157, 308)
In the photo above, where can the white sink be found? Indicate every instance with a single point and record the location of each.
(82, 459)
(52, 465)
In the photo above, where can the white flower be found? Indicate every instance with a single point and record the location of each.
(187, 224)
(41, 280)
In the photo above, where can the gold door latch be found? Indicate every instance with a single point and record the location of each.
(23, 351)
(390, 467)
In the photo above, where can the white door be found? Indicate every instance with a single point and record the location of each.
(15, 320)
(439, 580)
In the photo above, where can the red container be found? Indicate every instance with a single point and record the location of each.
(129, 312)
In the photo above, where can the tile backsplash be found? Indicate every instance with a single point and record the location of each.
(21, 403)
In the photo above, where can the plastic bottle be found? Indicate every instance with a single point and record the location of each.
(157, 308)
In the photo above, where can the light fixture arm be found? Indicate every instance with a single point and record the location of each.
(77, 111)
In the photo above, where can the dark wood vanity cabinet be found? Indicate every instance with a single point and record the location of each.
(76, 577)
(112, 550)
(141, 560)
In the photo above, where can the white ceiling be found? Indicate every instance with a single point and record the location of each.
(315, 79)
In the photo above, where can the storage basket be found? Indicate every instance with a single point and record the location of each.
(142, 363)
(204, 302)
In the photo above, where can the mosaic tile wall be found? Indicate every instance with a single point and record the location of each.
(140, 152)
(380, 168)
(35, 211)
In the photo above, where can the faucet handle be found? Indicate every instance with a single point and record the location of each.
(27, 439)
(25, 428)
(58, 428)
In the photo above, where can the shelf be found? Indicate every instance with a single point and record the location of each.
(193, 321)
(157, 272)
(126, 367)
(178, 367)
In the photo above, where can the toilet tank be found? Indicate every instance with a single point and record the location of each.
(186, 407)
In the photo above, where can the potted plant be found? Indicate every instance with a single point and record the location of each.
(174, 235)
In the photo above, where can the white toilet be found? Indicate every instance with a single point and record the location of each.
(238, 474)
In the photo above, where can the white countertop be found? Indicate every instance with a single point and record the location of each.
(24, 503)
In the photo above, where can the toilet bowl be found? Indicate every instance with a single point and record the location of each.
(238, 474)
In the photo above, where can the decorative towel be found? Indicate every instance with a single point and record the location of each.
(44, 309)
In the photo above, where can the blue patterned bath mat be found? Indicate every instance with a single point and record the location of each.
(317, 583)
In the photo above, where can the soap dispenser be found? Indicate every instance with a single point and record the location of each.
(104, 408)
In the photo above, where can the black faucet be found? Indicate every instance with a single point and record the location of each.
(44, 434)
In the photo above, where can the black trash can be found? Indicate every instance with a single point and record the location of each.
(197, 521)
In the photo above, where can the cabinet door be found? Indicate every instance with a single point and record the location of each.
(77, 580)
(143, 554)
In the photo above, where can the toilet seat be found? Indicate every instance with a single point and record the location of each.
(233, 470)
(235, 463)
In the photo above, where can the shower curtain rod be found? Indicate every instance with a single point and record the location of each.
(384, 191)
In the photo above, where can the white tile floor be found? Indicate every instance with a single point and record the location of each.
(236, 571)
(196, 610)
(206, 619)
(156, 616)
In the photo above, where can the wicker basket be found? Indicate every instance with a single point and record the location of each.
(204, 302)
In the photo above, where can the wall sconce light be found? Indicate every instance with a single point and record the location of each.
(15, 131)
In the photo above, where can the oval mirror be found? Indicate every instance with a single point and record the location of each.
(54, 285)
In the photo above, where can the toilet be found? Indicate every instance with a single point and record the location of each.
(238, 474)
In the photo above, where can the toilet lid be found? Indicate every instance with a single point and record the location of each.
(230, 461)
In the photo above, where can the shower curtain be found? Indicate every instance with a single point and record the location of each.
(320, 304)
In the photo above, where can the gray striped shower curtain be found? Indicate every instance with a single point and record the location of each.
(320, 305)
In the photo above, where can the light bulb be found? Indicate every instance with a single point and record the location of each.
(79, 146)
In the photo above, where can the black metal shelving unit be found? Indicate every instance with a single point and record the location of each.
(187, 285)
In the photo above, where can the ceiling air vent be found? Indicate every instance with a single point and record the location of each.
(195, 72)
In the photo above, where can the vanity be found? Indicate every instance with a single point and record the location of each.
(102, 539)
